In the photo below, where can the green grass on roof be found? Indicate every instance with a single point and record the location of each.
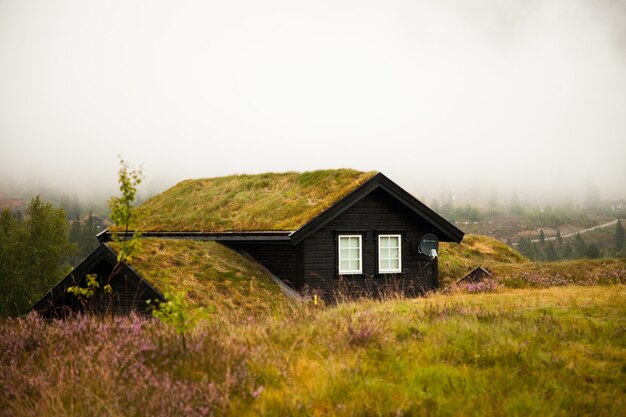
(211, 274)
(264, 202)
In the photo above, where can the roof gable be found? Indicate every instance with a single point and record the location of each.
(247, 203)
(447, 232)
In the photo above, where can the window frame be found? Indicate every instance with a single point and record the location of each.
(350, 272)
(389, 271)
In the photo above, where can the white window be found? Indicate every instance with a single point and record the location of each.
(350, 254)
(389, 254)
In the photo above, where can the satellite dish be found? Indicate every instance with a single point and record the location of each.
(429, 245)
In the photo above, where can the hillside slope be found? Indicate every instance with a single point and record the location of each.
(510, 269)
(457, 259)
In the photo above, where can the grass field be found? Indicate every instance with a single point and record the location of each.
(557, 351)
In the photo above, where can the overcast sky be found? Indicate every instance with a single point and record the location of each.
(506, 94)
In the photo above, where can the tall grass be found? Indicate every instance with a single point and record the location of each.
(557, 351)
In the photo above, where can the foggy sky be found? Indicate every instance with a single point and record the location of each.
(493, 94)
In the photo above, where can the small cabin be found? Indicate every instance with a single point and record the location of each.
(330, 233)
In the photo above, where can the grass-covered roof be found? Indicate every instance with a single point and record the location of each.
(264, 202)
(212, 275)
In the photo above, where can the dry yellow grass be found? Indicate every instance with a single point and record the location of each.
(264, 202)
(511, 269)
(456, 260)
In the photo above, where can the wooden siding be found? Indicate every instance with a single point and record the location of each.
(377, 213)
(282, 259)
(129, 291)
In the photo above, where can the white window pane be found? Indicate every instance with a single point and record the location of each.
(384, 264)
(394, 264)
(349, 254)
(384, 242)
(394, 253)
(394, 242)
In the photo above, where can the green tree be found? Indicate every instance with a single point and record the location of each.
(47, 245)
(580, 245)
(593, 251)
(524, 247)
(122, 214)
(75, 230)
(542, 237)
(88, 241)
(567, 251)
(550, 251)
(538, 254)
(559, 238)
(33, 250)
(13, 289)
(619, 235)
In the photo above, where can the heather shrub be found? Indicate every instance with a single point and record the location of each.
(123, 366)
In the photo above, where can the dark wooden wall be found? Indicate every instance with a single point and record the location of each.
(129, 291)
(282, 259)
(377, 213)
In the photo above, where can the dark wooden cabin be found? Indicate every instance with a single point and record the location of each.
(335, 232)
(375, 213)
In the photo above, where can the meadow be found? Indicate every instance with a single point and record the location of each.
(546, 352)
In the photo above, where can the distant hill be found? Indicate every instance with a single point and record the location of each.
(456, 260)
(510, 269)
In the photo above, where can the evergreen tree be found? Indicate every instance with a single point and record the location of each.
(524, 247)
(567, 251)
(542, 237)
(559, 238)
(538, 254)
(551, 254)
(88, 241)
(593, 251)
(75, 230)
(619, 235)
(580, 245)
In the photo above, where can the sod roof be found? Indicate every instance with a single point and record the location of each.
(264, 202)
(212, 275)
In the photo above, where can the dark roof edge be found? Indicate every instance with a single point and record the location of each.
(106, 236)
(454, 233)
(450, 232)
